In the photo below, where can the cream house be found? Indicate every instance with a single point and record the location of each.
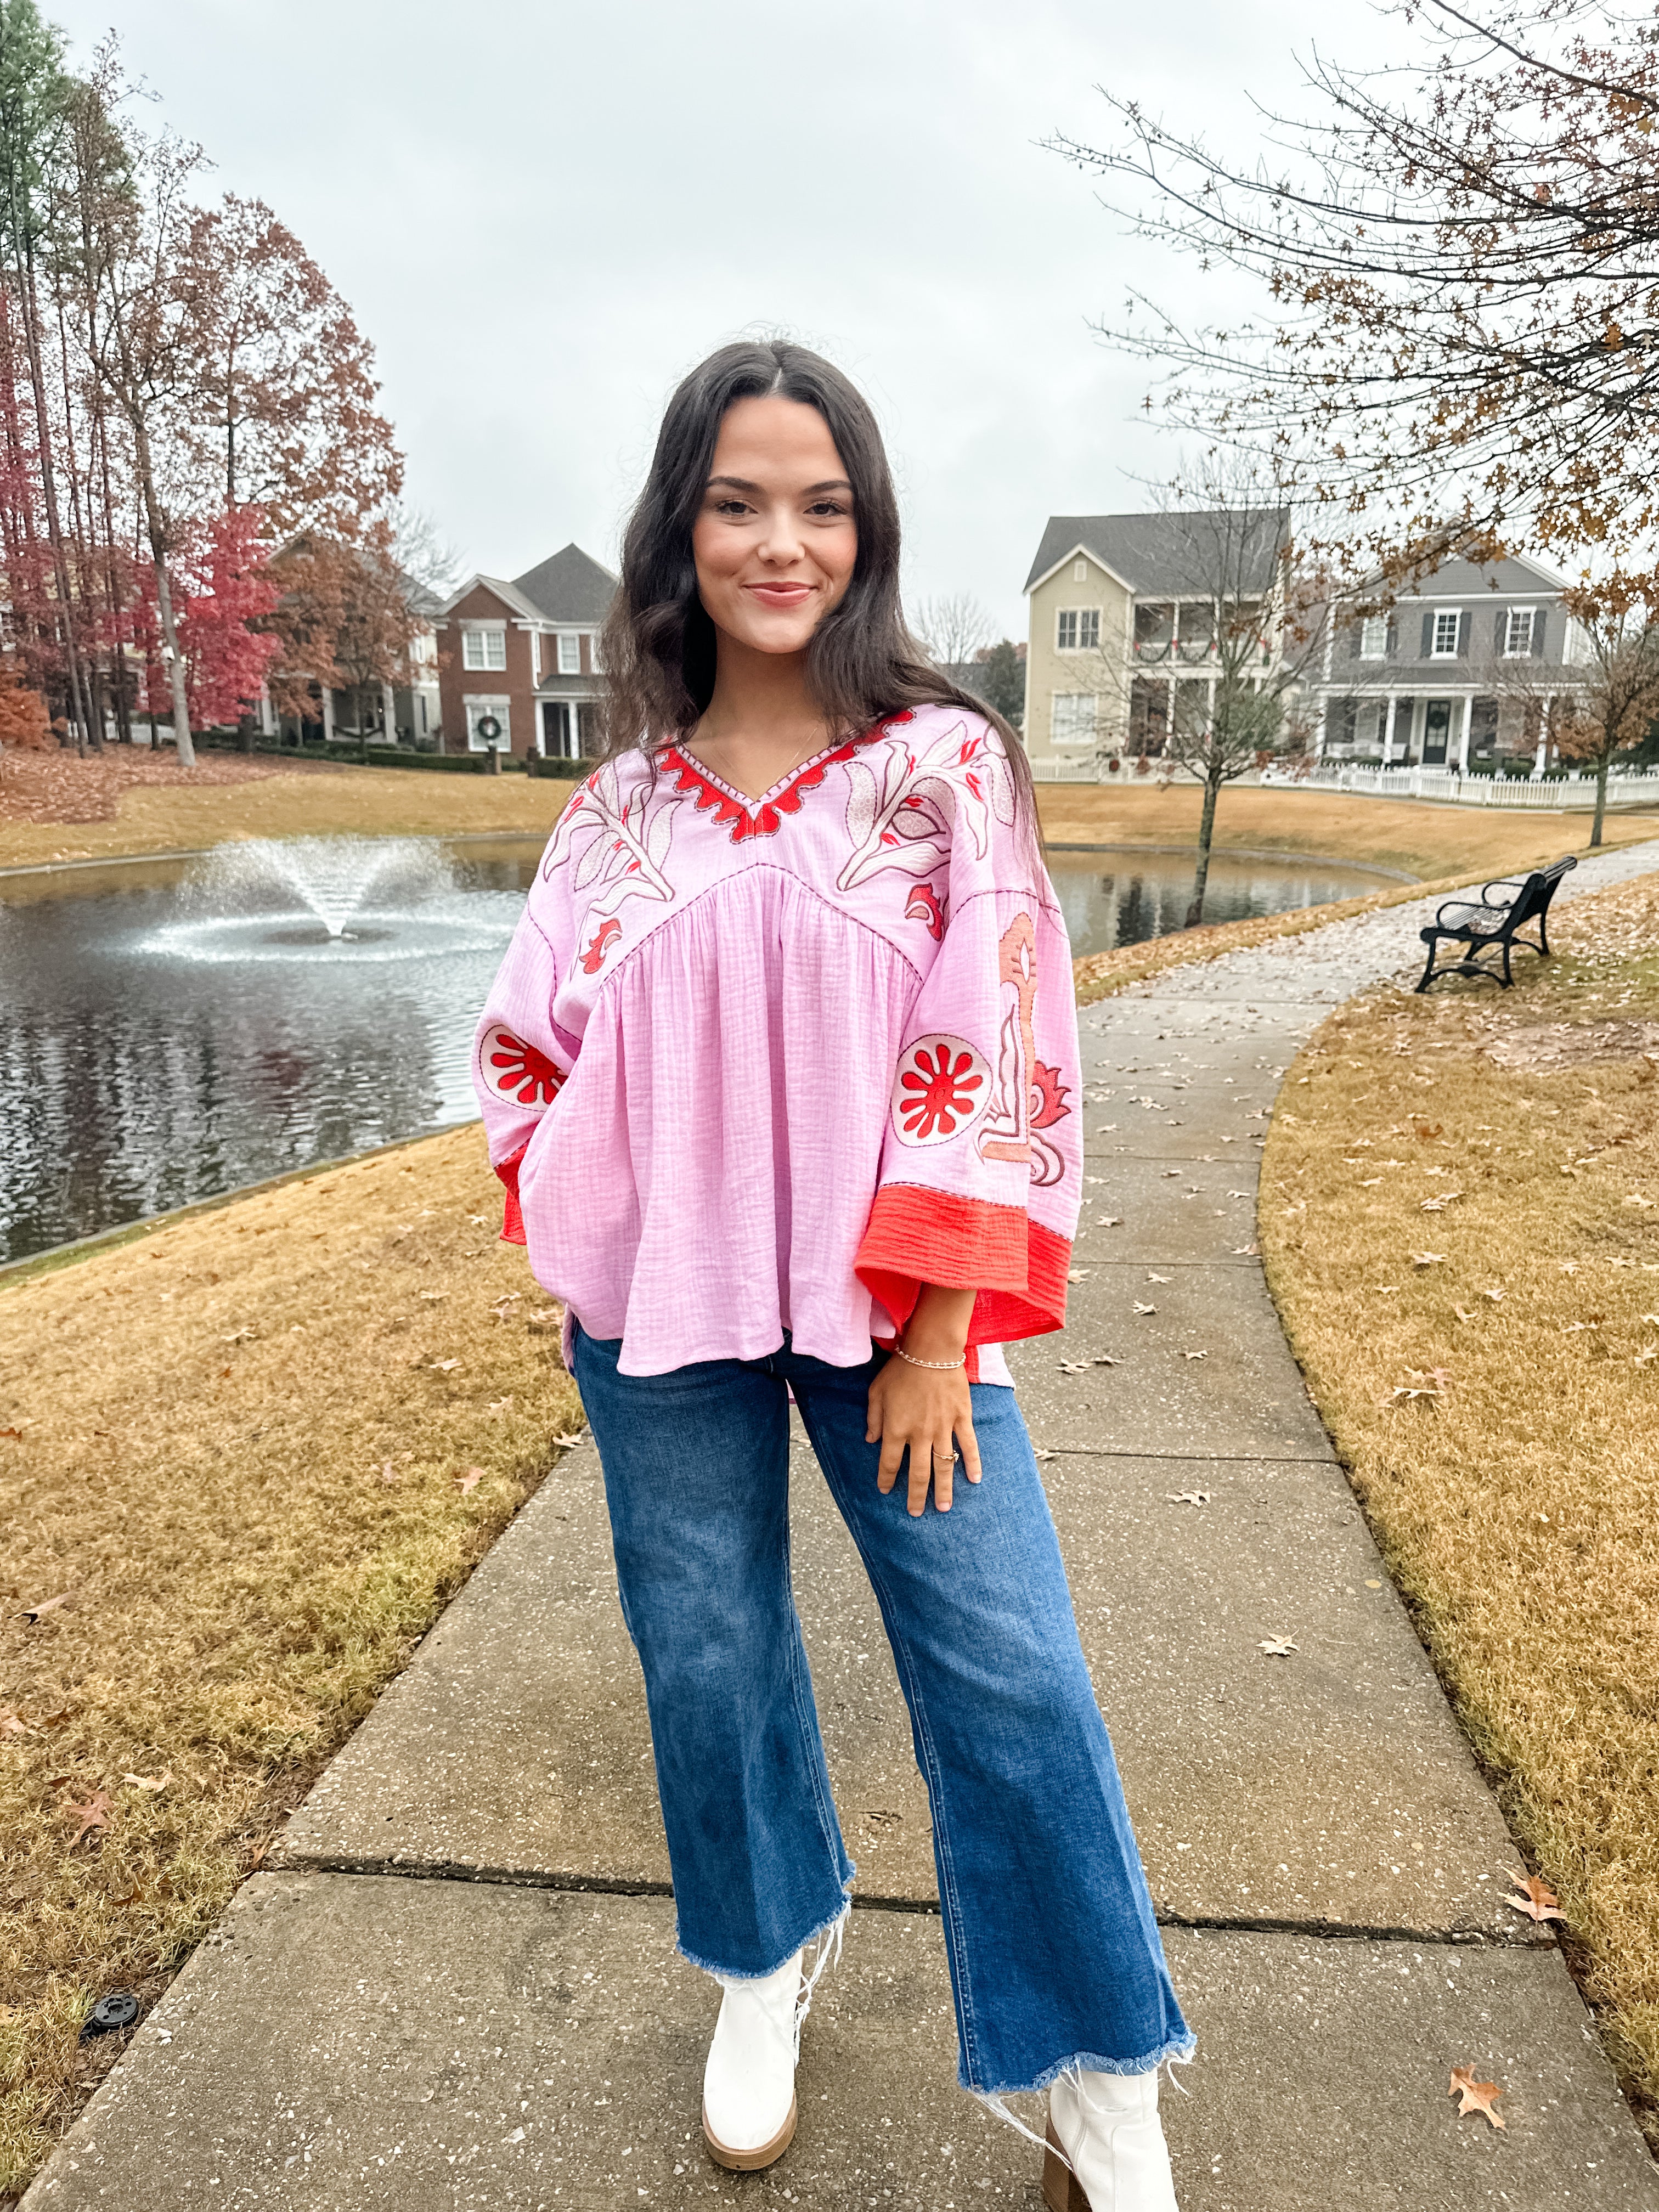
(1124, 608)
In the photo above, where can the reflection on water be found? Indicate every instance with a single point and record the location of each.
(171, 1032)
(1125, 897)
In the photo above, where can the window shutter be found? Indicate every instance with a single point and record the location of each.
(1428, 636)
(1466, 624)
(1501, 636)
(1537, 621)
(1391, 639)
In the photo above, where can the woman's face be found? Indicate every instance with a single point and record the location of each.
(776, 539)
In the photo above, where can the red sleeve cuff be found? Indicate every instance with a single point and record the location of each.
(513, 1212)
(917, 1236)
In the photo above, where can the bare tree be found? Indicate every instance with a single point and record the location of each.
(423, 552)
(1610, 702)
(953, 628)
(1455, 257)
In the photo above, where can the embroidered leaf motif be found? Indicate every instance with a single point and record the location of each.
(901, 816)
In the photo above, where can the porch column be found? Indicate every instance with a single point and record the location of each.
(1464, 740)
(328, 714)
(389, 713)
(267, 719)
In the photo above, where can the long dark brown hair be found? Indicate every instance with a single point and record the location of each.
(659, 644)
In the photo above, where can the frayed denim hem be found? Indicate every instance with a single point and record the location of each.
(825, 1929)
(1177, 2051)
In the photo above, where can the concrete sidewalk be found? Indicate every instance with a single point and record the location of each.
(456, 1987)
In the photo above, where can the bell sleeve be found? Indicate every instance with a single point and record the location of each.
(981, 1158)
(520, 1056)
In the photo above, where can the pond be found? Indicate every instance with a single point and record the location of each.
(171, 1030)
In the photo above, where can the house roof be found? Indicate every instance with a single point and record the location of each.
(568, 586)
(1466, 580)
(1165, 552)
(508, 594)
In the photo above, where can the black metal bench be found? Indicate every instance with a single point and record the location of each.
(1478, 926)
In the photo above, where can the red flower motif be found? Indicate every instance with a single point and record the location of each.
(515, 1070)
(1049, 1097)
(936, 1089)
(923, 905)
(604, 938)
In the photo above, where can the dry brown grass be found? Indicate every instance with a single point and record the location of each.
(209, 1416)
(311, 801)
(1427, 840)
(1517, 1500)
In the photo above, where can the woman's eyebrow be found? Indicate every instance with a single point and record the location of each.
(742, 484)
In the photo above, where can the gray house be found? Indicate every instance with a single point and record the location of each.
(1462, 672)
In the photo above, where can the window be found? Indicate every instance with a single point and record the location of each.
(1517, 632)
(1073, 721)
(1078, 629)
(1443, 646)
(1374, 638)
(1079, 572)
(570, 654)
(483, 646)
(484, 708)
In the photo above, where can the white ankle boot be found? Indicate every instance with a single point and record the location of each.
(749, 2083)
(1108, 2126)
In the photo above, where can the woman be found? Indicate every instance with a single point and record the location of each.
(779, 1074)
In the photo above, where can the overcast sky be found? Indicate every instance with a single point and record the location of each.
(542, 214)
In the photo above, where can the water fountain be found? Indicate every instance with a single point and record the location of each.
(331, 899)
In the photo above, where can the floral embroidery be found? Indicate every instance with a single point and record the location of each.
(925, 905)
(901, 816)
(940, 1090)
(618, 840)
(1053, 1094)
(604, 938)
(765, 820)
(516, 1070)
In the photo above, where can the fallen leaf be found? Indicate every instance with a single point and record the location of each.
(1246, 1251)
(1439, 1205)
(1140, 1308)
(1476, 2096)
(239, 1335)
(1074, 1366)
(470, 1479)
(13, 1723)
(1568, 1267)
(387, 1472)
(1465, 1313)
(1195, 1355)
(1371, 1183)
(1036, 1453)
(15, 1435)
(1168, 1172)
(1077, 1275)
(1636, 1199)
(1425, 1133)
(1238, 1194)
(1158, 1278)
(149, 1781)
(443, 1366)
(1278, 1647)
(433, 1297)
(1497, 1297)
(1109, 1221)
(95, 1814)
(1105, 1359)
(1537, 1900)
(1428, 1259)
(567, 1441)
(33, 1613)
(500, 1405)
(1188, 1496)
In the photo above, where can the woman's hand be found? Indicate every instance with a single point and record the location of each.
(927, 1411)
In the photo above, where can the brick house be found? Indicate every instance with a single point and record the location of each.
(525, 654)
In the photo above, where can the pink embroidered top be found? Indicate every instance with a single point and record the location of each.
(752, 1065)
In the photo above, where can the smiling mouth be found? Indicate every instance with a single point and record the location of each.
(780, 595)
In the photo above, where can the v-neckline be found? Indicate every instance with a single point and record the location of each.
(751, 802)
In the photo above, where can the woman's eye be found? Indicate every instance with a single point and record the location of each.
(730, 507)
(826, 506)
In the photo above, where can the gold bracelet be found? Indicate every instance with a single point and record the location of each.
(943, 1366)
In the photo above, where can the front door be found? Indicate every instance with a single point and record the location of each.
(555, 725)
(1437, 728)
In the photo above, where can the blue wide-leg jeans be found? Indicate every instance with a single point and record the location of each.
(1054, 1953)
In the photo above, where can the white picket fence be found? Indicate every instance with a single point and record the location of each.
(1638, 787)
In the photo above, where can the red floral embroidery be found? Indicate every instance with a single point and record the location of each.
(1050, 1094)
(516, 1070)
(924, 905)
(942, 1087)
(767, 817)
(604, 938)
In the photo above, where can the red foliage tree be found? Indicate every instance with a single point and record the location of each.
(225, 659)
